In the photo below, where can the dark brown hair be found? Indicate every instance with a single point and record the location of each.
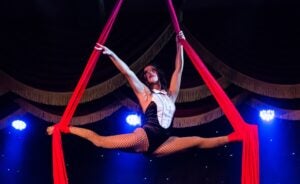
(160, 74)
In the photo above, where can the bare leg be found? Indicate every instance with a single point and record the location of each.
(136, 141)
(176, 144)
(213, 142)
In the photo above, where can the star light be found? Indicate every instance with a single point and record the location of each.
(267, 115)
(133, 120)
(19, 124)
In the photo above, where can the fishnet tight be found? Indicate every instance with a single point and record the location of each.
(176, 144)
(138, 142)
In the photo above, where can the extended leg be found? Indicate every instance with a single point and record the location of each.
(176, 144)
(136, 141)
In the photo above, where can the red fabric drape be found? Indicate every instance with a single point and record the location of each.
(59, 169)
(248, 133)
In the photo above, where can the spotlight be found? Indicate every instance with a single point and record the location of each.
(267, 115)
(133, 120)
(19, 124)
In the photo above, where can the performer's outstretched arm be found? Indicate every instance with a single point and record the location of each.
(177, 74)
(140, 89)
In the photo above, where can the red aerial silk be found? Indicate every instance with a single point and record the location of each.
(59, 169)
(248, 133)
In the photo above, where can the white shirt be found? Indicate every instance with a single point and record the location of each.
(165, 107)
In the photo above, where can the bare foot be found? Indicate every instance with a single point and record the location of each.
(50, 130)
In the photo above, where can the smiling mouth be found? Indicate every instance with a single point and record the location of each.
(152, 77)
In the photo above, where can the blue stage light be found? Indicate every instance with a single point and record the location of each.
(19, 124)
(133, 120)
(267, 115)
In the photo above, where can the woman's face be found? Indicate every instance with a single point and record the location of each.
(150, 74)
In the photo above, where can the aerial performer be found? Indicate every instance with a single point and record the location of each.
(157, 101)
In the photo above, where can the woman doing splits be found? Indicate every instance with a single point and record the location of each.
(158, 104)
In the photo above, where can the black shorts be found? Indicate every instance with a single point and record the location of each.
(156, 134)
